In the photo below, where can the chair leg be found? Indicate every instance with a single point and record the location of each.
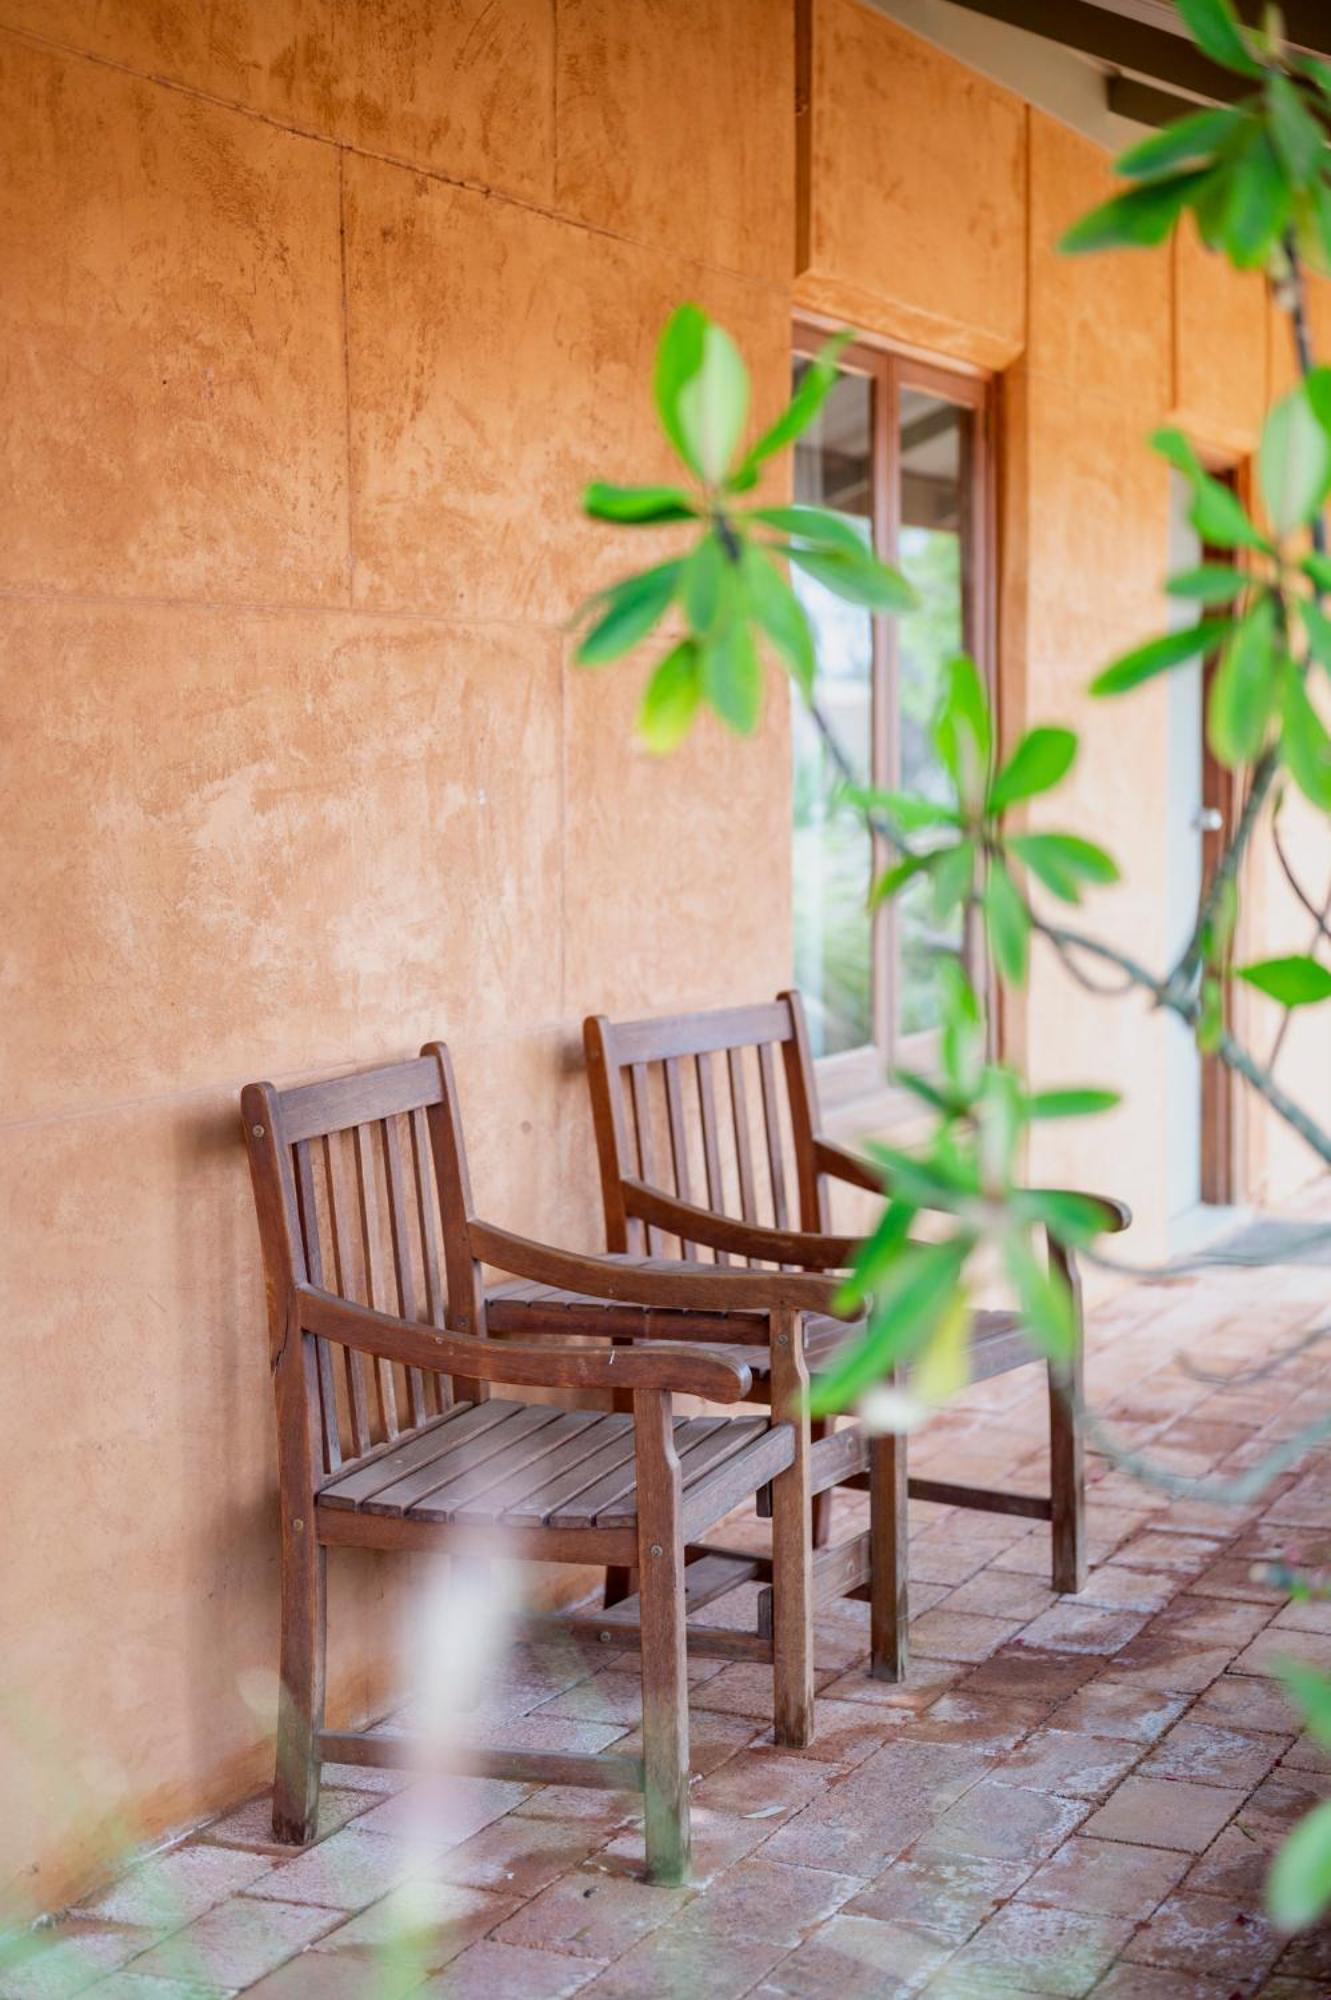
(889, 1535)
(665, 1687)
(792, 1548)
(300, 1713)
(620, 1583)
(1067, 1476)
(822, 1427)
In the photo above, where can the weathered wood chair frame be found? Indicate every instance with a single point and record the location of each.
(365, 1464)
(644, 1213)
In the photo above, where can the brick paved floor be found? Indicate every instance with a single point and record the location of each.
(1068, 1797)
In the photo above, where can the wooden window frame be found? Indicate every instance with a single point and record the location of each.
(855, 1074)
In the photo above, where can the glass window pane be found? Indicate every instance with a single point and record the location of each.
(832, 858)
(935, 440)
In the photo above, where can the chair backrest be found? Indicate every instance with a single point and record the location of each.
(361, 1188)
(718, 1108)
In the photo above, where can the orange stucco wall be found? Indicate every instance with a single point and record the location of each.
(318, 313)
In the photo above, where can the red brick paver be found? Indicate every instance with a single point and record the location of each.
(1066, 1797)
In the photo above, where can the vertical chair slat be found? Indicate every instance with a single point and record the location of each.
(772, 1123)
(340, 1226)
(425, 1216)
(739, 1105)
(398, 1226)
(679, 1144)
(314, 1263)
(640, 1082)
(368, 1194)
(711, 1150)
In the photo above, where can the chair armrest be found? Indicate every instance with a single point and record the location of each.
(651, 1281)
(678, 1366)
(810, 1248)
(847, 1166)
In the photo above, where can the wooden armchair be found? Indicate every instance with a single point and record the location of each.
(702, 1114)
(389, 1435)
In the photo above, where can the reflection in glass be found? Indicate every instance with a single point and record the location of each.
(832, 857)
(935, 444)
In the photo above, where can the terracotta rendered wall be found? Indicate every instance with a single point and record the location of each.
(317, 316)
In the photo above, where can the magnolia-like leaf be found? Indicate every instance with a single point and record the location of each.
(1295, 981)
(1063, 862)
(1318, 628)
(884, 1246)
(712, 404)
(963, 729)
(1171, 649)
(672, 698)
(1043, 1296)
(1211, 583)
(907, 1306)
(1245, 688)
(704, 583)
(1138, 218)
(1214, 26)
(637, 505)
(1298, 1889)
(1257, 205)
(906, 810)
(1318, 567)
(1217, 513)
(799, 413)
(628, 610)
(678, 359)
(887, 884)
(860, 578)
(952, 874)
(1298, 137)
(1310, 1691)
(1304, 743)
(1293, 463)
(732, 678)
(1187, 142)
(1008, 924)
(1040, 760)
(818, 526)
(1070, 1103)
(943, 1368)
(781, 616)
(1072, 1218)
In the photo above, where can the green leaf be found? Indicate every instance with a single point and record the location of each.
(906, 810)
(781, 615)
(1173, 445)
(816, 525)
(1212, 583)
(1318, 569)
(963, 729)
(1318, 628)
(1310, 1691)
(1244, 691)
(1211, 1018)
(732, 678)
(1214, 26)
(1138, 218)
(1298, 1888)
(1257, 205)
(637, 504)
(1072, 1218)
(1044, 1299)
(1171, 649)
(886, 1244)
(630, 610)
(1063, 862)
(713, 404)
(678, 359)
(952, 873)
(1304, 743)
(906, 1309)
(860, 579)
(885, 886)
(1007, 922)
(1070, 1103)
(704, 583)
(671, 701)
(1219, 517)
(1298, 137)
(1293, 463)
(1294, 982)
(1317, 388)
(799, 413)
(1187, 142)
(1040, 760)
